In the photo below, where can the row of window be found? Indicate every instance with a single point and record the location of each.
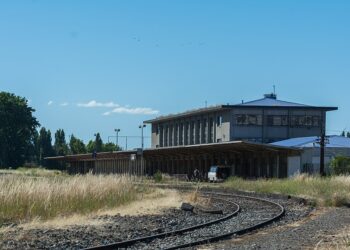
(278, 120)
(186, 133)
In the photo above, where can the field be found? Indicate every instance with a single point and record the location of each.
(329, 191)
(28, 194)
(30, 197)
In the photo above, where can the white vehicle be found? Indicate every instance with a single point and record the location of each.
(218, 173)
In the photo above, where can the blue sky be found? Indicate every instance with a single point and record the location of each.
(147, 58)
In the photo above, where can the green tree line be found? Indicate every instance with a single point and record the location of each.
(23, 141)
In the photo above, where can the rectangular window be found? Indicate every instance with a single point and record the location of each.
(210, 130)
(204, 131)
(308, 121)
(181, 135)
(305, 121)
(171, 137)
(166, 136)
(176, 134)
(249, 120)
(192, 135)
(277, 120)
(219, 120)
(161, 136)
(316, 121)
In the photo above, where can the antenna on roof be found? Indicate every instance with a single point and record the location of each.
(274, 89)
(206, 103)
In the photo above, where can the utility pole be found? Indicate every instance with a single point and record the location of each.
(142, 144)
(117, 130)
(322, 142)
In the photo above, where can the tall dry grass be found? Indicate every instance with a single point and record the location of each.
(23, 198)
(328, 191)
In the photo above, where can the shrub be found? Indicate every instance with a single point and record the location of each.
(158, 177)
(340, 165)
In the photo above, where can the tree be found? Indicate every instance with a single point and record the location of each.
(76, 146)
(45, 146)
(90, 147)
(99, 146)
(60, 146)
(110, 146)
(17, 129)
(348, 134)
(98, 143)
(343, 133)
(33, 151)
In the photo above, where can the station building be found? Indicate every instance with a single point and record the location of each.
(233, 135)
(265, 120)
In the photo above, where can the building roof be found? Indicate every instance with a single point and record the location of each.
(230, 146)
(334, 141)
(269, 101)
(191, 112)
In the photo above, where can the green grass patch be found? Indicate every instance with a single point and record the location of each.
(328, 191)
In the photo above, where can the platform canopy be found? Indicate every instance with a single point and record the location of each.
(188, 150)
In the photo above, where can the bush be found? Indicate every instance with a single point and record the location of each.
(158, 177)
(340, 165)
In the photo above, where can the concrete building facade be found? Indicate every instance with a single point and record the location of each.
(265, 120)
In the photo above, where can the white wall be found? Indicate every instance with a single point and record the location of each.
(293, 165)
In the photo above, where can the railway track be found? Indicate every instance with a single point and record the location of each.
(243, 214)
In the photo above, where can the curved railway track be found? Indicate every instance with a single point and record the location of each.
(245, 214)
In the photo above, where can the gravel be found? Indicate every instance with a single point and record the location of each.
(304, 235)
(117, 228)
(252, 212)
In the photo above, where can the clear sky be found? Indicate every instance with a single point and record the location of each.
(92, 66)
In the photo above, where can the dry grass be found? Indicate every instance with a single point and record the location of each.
(25, 198)
(151, 203)
(329, 191)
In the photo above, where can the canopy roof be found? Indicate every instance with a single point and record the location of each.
(223, 147)
(333, 141)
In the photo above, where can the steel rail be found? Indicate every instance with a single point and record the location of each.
(124, 244)
(237, 232)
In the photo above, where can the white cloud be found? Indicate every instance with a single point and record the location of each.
(117, 108)
(133, 111)
(50, 103)
(64, 104)
(94, 104)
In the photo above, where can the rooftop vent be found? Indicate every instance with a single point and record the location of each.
(271, 96)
